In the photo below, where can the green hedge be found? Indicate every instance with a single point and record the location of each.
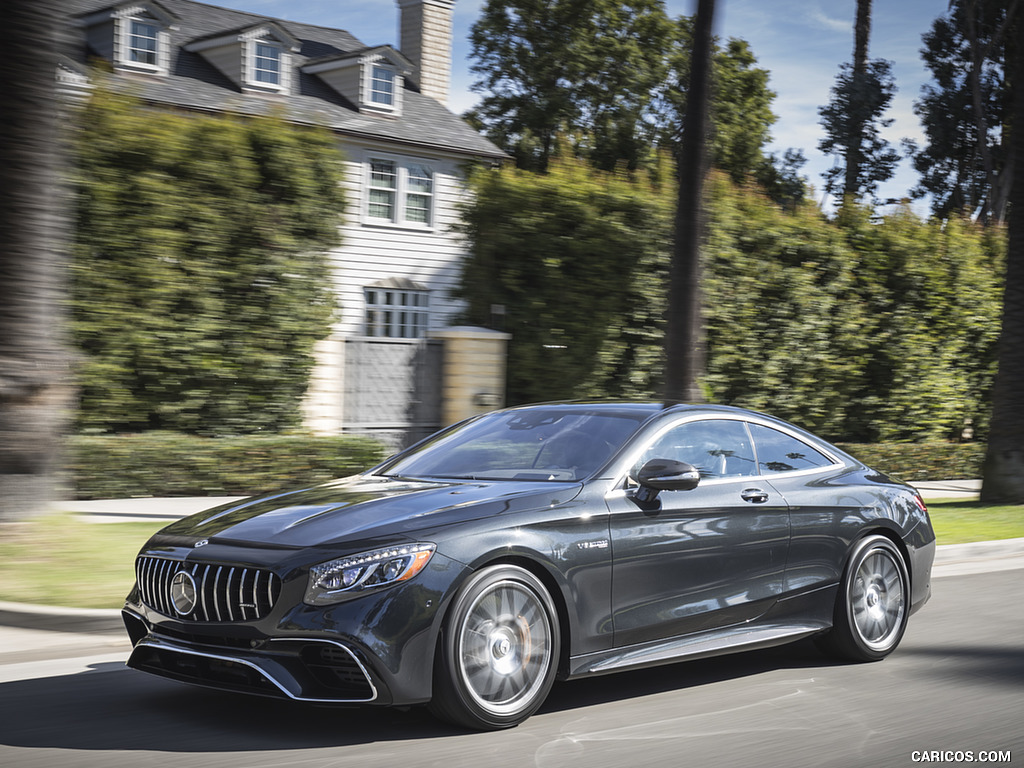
(922, 461)
(172, 464)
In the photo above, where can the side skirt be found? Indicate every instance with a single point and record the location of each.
(789, 620)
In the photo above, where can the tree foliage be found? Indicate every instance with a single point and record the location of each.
(965, 114)
(852, 121)
(862, 329)
(199, 283)
(568, 254)
(571, 67)
(608, 81)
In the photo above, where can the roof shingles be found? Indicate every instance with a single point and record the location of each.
(193, 83)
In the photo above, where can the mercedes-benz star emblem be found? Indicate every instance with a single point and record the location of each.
(183, 593)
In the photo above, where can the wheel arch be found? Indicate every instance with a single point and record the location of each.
(892, 535)
(550, 581)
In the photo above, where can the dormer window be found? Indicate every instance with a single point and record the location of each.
(382, 85)
(143, 42)
(133, 36)
(267, 64)
(373, 79)
(258, 58)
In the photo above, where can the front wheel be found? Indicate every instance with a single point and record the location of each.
(872, 608)
(498, 653)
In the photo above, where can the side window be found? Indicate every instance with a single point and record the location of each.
(779, 452)
(716, 447)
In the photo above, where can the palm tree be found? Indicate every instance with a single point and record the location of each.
(684, 347)
(1003, 478)
(33, 361)
(861, 33)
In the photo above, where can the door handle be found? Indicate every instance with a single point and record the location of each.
(754, 495)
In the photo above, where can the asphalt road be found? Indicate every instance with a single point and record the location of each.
(955, 684)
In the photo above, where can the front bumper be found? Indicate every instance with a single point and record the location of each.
(375, 648)
(301, 669)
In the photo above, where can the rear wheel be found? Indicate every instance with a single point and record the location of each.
(498, 653)
(872, 608)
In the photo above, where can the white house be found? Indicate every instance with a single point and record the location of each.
(379, 370)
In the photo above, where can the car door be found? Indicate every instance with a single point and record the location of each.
(821, 505)
(700, 559)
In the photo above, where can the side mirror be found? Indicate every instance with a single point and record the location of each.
(665, 475)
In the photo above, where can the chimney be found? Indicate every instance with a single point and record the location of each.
(425, 38)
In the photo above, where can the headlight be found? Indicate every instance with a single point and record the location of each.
(332, 581)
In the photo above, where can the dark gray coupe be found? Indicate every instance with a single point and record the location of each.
(472, 570)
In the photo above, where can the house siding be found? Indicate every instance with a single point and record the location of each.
(228, 59)
(345, 80)
(371, 253)
(102, 38)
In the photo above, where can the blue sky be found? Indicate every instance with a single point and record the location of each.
(801, 43)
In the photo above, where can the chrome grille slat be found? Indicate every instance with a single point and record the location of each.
(227, 595)
(203, 591)
(224, 591)
(164, 588)
(216, 602)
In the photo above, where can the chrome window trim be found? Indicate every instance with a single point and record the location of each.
(622, 481)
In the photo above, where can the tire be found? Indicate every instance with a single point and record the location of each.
(873, 604)
(498, 652)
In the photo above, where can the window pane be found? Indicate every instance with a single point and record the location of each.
(395, 314)
(383, 174)
(142, 42)
(268, 64)
(716, 447)
(779, 452)
(382, 204)
(382, 86)
(417, 209)
(419, 179)
(419, 186)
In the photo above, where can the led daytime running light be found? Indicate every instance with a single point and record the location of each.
(333, 580)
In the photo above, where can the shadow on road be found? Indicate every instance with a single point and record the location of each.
(113, 708)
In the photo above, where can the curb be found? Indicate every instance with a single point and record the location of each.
(98, 621)
(108, 620)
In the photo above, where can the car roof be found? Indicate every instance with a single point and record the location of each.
(640, 408)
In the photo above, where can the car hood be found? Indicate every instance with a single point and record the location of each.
(367, 506)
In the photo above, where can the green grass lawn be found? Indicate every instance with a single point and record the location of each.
(959, 522)
(62, 560)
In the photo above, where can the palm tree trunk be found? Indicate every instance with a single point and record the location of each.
(1003, 478)
(684, 344)
(861, 33)
(34, 380)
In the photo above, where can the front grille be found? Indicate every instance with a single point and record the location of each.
(223, 592)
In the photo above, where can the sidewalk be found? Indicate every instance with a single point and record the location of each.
(948, 489)
(147, 509)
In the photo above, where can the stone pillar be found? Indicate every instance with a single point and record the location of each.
(323, 404)
(472, 372)
(425, 38)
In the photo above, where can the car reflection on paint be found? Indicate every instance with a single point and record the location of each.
(546, 542)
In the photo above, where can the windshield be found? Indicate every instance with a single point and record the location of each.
(542, 443)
